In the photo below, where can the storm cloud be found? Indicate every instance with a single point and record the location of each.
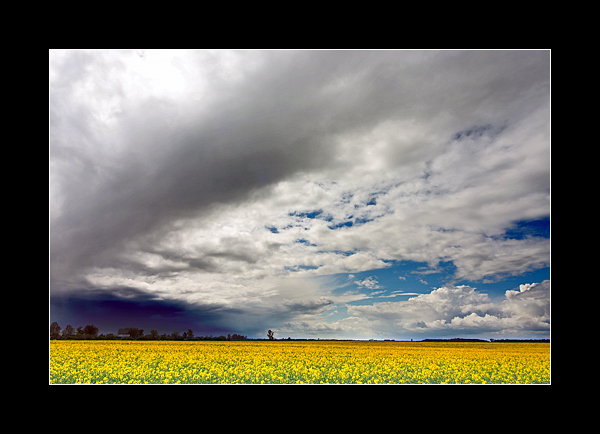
(225, 177)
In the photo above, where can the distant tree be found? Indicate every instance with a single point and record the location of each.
(270, 335)
(135, 332)
(80, 330)
(90, 329)
(54, 330)
(190, 334)
(154, 334)
(68, 331)
(175, 334)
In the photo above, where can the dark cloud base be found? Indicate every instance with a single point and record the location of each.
(109, 312)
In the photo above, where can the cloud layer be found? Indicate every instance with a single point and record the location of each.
(231, 179)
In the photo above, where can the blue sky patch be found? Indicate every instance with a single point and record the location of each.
(308, 215)
(529, 228)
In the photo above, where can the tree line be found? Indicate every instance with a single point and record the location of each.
(91, 332)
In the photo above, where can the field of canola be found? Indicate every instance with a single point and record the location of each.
(337, 362)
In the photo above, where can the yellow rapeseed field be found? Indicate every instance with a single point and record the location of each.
(345, 362)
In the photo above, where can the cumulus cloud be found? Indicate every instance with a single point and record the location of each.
(462, 308)
(229, 178)
(369, 283)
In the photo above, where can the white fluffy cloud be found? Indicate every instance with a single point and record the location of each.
(455, 309)
(370, 283)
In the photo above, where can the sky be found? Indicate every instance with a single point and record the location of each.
(319, 194)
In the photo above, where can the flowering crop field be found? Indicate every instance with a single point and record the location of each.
(275, 362)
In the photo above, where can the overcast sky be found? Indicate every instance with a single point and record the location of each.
(360, 194)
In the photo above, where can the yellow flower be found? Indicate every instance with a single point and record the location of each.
(297, 362)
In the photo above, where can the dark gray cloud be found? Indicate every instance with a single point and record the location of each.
(168, 168)
(278, 120)
(170, 164)
(119, 307)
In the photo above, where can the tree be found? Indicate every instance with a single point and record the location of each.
(190, 334)
(134, 332)
(90, 329)
(270, 335)
(154, 334)
(54, 330)
(68, 331)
